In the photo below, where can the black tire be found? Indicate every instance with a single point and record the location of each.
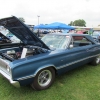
(96, 61)
(43, 79)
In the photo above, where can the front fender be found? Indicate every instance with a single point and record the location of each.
(26, 74)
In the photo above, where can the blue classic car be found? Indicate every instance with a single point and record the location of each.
(36, 62)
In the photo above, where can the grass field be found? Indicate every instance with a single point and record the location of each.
(80, 84)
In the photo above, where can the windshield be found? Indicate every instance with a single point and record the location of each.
(56, 41)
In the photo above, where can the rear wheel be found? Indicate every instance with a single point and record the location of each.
(44, 79)
(96, 61)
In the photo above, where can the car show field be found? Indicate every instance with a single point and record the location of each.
(81, 83)
(37, 62)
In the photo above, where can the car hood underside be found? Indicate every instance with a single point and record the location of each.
(20, 30)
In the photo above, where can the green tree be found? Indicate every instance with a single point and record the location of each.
(22, 19)
(71, 23)
(79, 22)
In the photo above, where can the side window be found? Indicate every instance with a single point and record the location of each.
(80, 41)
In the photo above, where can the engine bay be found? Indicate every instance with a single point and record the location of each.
(15, 53)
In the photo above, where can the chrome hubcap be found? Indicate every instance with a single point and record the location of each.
(44, 78)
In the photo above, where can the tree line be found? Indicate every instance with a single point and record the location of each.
(79, 22)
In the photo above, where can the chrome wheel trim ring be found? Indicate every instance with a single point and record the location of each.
(97, 60)
(44, 78)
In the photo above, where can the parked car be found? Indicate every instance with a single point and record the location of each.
(4, 39)
(37, 63)
(13, 38)
(45, 32)
(96, 36)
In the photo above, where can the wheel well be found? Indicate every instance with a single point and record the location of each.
(54, 69)
(47, 67)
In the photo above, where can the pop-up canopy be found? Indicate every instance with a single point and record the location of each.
(55, 25)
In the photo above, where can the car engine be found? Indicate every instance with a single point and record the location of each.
(22, 52)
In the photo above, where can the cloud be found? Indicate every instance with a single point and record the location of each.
(52, 10)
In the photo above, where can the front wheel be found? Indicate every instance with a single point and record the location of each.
(44, 79)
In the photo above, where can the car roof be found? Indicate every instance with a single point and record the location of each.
(71, 34)
(75, 34)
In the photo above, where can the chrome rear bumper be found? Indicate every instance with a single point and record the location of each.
(14, 83)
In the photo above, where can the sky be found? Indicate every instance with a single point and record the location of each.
(51, 11)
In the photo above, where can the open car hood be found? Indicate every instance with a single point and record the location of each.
(21, 31)
(4, 39)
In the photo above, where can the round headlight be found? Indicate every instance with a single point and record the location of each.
(8, 69)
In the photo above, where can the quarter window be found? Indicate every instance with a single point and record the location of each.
(80, 41)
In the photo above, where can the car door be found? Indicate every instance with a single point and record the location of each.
(94, 51)
(75, 56)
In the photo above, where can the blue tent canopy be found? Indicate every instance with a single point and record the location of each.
(56, 25)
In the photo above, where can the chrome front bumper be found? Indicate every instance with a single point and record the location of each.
(14, 83)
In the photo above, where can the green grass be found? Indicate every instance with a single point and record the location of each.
(80, 84)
